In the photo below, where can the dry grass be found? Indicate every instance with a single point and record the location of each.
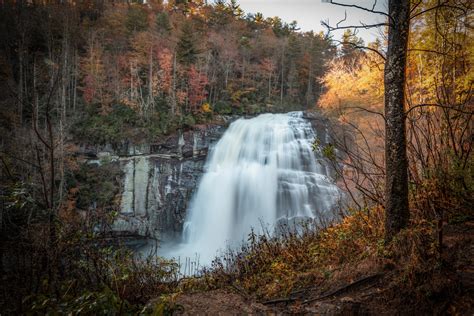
(269, 268)
(275, 266)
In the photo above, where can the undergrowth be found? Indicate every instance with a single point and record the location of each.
(266, 267)
(272, 267)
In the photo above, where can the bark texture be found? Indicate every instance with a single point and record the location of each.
(396, 203)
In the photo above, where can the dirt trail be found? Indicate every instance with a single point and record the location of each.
(220, 302)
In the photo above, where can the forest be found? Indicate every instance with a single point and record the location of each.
(85, 85)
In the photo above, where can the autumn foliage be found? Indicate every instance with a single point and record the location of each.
(438, 115)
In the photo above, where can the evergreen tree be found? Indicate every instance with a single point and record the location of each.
(162, 23)
(186, 50)
(136, 20)
(350, 46)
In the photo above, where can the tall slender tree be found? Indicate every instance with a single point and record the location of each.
(186, 50)
(396, 162)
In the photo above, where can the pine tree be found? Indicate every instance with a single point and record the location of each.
(162, 23)
(187, 51)
(136, 20)
(350, 49)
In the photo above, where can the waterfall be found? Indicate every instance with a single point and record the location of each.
(262, 171)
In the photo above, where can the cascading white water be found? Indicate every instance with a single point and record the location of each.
(261, 171)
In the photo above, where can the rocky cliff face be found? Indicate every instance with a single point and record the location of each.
(159, 180)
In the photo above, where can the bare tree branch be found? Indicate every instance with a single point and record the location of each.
(366, 110)
(362, 26)
(361, 8)
(427, 51)
(416, 6)
(439, 106)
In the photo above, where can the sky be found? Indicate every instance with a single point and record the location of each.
(309, 13)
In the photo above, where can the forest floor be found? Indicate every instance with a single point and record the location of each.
(366, 289)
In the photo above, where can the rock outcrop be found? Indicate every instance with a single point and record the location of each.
(158, 179)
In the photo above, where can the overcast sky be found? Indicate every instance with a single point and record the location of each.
(309, 13)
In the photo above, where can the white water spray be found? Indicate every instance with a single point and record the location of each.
(261, 171)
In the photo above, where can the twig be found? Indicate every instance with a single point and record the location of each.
(366, 110)
(427, 51)
(439, 106)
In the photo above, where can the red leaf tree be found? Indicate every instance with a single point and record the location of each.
(197, 88)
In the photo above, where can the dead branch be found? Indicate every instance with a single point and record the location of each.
(372, 10)
(362, 26)
(346, 288)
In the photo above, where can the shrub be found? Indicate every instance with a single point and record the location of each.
(222, 107)
(189, 121)
(110, 128)
(97, 184)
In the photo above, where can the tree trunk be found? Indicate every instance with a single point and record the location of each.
(282, 73)
(151, 98)
(396, 195)
(269, 85)
(173, 101)
(74, 80)
(309, 87)
(20, 83)
(243, 73)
